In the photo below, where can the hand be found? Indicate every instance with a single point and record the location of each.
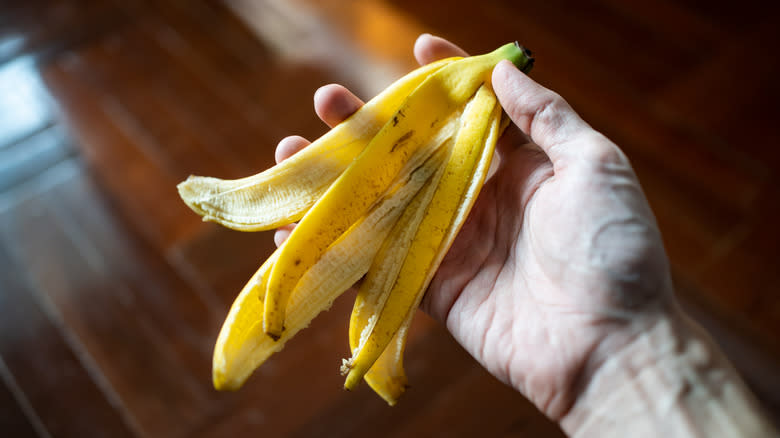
(560, 262)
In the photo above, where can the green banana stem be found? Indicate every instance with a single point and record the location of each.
(526, 62)
(519, 55)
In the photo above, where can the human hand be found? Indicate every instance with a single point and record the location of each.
(560, 262)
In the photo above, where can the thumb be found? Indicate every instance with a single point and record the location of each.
(540, 113)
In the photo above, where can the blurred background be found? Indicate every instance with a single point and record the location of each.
(112, 291)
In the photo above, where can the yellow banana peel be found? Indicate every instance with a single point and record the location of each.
(387, 377)
(381, 195)
(431, 232)
(242, 346)
(283, 193)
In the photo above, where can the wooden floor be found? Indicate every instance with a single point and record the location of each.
(112, 291)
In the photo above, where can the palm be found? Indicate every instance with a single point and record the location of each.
(541, 270)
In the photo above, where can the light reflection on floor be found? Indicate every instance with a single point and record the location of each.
(32, 143)
(24, 103)
(10, 45)
(368, 44)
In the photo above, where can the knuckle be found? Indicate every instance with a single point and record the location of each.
(599, 151)
(550, 118)
(550, 109)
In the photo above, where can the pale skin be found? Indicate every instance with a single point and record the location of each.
(559, 284)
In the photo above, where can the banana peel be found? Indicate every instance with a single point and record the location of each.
(282, 194)
(242, 346)
(381, 196)
(402, 269)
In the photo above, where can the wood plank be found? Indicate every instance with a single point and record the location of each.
(44, 28)
(727, 17)
(732, 95)
(679, 25)
(13, 420)
(48, 365)
(742, 278)
(160, 291)
(299, 382)
(436, 367)
(230, 45)
(29, 157)
(25, 106)
(119, 317)
(476, 404)
(691, 220)
(362, 29)
(249, 82)
(117, 67)
(604, 36)
(223, 125)
(222, 260)
(117, 153)
(232, 128)
(744, 340)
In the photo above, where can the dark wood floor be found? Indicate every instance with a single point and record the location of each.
(112, 291)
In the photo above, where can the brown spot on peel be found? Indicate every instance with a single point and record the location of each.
(401, 140)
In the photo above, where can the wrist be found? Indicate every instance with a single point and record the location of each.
(667, 378)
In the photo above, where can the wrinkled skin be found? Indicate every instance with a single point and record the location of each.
(560, 263)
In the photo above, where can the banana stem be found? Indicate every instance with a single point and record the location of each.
(525, 62)
(519, 55)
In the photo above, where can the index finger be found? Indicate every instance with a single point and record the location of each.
(429, 48)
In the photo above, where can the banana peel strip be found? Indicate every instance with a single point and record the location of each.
(387, 376)
(283, 193)
(443, 217)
